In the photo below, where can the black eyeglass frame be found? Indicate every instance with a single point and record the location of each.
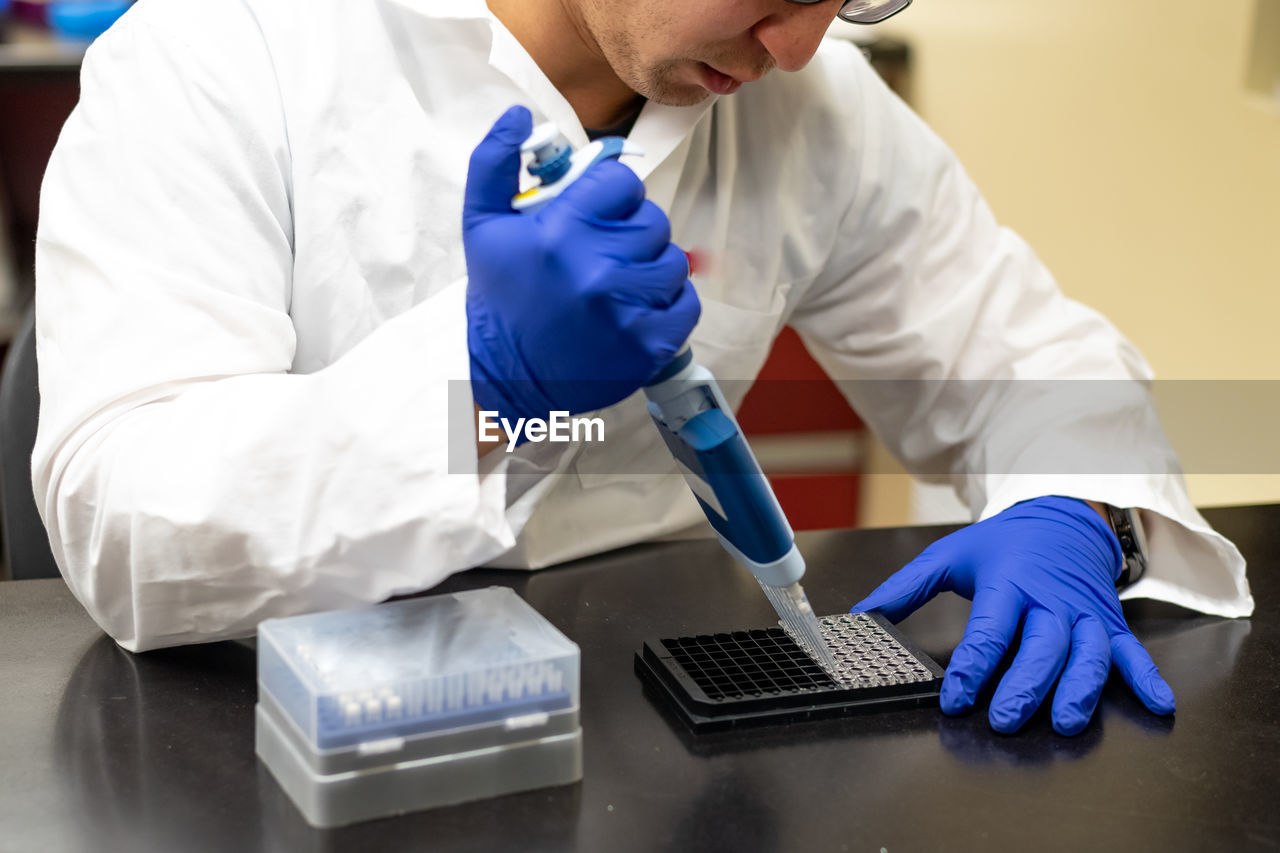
(893, 10)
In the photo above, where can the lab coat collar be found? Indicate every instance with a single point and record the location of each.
(661, 130)
(658, 132)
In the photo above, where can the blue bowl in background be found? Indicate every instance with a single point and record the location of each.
(82, 21)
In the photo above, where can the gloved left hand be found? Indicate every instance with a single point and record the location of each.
(1049, 565)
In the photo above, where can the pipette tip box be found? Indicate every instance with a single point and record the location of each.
(417, 703)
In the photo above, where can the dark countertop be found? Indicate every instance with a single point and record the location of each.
(101, 749)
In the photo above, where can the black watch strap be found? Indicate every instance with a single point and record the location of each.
(1133, 544)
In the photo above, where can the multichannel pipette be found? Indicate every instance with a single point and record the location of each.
(699, 429)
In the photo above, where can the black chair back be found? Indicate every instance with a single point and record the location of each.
(26, 543)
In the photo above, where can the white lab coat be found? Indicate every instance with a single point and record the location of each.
(250, 304)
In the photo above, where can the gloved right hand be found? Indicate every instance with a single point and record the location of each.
(576, 306)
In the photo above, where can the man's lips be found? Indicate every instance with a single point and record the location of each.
(716, 82)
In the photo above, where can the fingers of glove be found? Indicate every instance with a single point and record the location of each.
(680, 317)
(607, 190)
(678, 320)
(1086, 672)
(641, 237)
(911, 586)
(1140, 673)
(1046, 639)
(658, 283)
(493, 176)
(993, 620)
(660, 331)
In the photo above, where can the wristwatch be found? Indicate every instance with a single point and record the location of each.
(1133, 544)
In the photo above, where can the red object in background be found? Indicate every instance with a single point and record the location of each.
(818, 501)
(793, 394)
(697, 262)
(792, 397)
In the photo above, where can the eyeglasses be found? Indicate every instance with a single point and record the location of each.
(864, 11)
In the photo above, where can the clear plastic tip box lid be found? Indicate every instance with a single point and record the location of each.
(419, 667)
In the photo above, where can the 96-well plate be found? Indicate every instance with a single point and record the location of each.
(717, 681)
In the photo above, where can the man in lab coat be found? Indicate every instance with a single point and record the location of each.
(274, 243)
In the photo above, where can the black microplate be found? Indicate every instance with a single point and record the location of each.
(720, 681)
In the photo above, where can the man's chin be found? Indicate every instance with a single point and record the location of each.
(670, 93)
(693, 95)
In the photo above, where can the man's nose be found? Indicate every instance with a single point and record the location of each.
(792, 33)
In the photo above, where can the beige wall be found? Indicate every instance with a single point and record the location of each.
(1136, 146)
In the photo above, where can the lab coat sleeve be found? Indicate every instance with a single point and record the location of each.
(954, 343)
(191, 485)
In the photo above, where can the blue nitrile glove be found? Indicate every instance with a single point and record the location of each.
(578, 305)
(1049, 564)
